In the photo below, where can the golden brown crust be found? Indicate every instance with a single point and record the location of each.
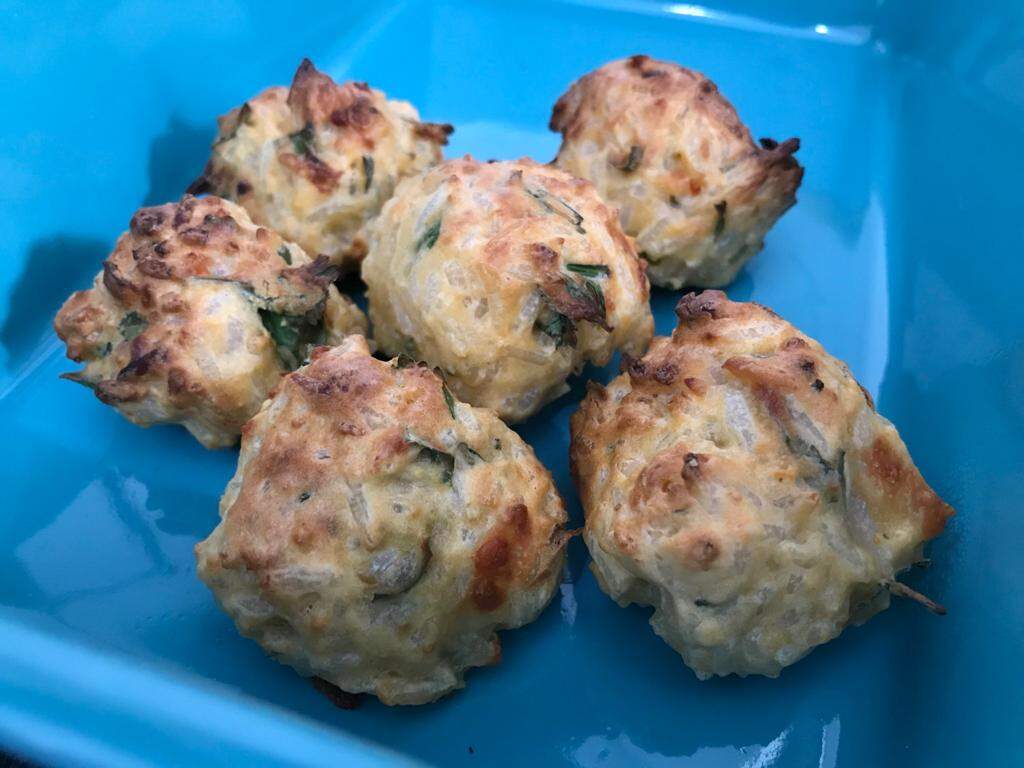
(316, 161)
(430, 525)
(660, 142)
(171, 331)
(509, 276)
(740, 449)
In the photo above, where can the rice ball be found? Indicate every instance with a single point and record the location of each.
(197, 314)
(509, 276)
(661, 143)
(316, 161)
(739, 480)
(379, 532)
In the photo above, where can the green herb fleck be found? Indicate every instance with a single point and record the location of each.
(589, 270)
(404, 361)
(448, 399)
(247, 287)
(429, 237)
(302, 141)
(304, 496)
(132, 325)
(285, 254)
(470, 456)
(587, 291)
(556, 325)
(294, 335)
(367, 172)
(105, 349)
(557, 206)
(632, 161)
(720, 220)
(444, 460)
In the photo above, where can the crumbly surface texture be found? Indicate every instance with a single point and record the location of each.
(507, 275)
(316, 161)
(378, 532)
(664, 146)
(196, 315)
(739, 480)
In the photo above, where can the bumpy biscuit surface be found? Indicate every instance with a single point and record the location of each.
(739, 480)
(316, 161)
(507, 275)
(378, 531)
(663, 145)
(196, 315)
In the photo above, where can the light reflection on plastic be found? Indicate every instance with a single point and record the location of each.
(684, 9)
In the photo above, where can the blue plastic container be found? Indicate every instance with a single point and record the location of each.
(903, 256)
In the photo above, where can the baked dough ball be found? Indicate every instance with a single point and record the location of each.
(661, 143)
(738, 479)
(197, 314)
(378, 532)
(317, 161)
(507, 275)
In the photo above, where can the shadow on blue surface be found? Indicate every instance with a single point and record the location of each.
(176, 157)
(53, 268)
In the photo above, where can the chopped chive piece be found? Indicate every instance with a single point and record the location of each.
(285, 254)
(559, 327)
(589, 270)
(470, 456)
(404, 361)
(293, 335)
(720, 221)
(132, 325)
(448, 399)
(557, 206)
(587, 291)
(302, 141)
(367, 172)
(429, 236)
(444, 460)
(632, 160)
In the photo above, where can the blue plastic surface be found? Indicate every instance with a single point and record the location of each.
(903, 257)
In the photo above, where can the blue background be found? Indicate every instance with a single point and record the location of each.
(903, 256)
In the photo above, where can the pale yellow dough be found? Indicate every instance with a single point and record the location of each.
(378, 532)
(509, 276)
(740, 481)
(174, 328)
